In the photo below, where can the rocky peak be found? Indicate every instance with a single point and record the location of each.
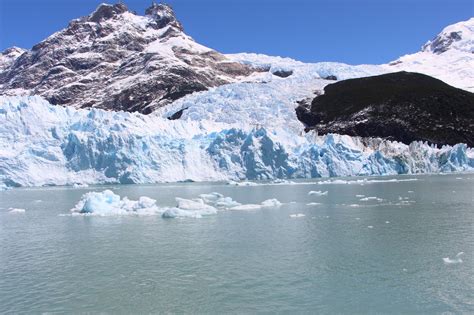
(459, 36)
(8, 57)
(106, 11)
(163, 15)
(115, 59)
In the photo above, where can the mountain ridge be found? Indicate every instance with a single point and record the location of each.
(117, 60)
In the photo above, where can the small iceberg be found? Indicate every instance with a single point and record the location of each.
(455, 260)
(318, 193)
(4, 187)
(314, 204)
(270, 203)
(79, 185)
(16, 210)
(107, 203)
(371, 199)
(297, 215)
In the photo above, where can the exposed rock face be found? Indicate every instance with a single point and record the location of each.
(114, 59)
(282, 73)
(400, 106)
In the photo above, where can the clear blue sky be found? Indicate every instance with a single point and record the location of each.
(351, 31)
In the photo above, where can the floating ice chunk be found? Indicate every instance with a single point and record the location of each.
(187, 208)
(370, 227)
(80, 185)
(360, 196)
(4, 187)
(16, 210)
(314, 204)
(270, 203)
(218, 200)
(354, 205)
(371, 198)
(226, 202)
(195, 204)
(456, 260)
(107, 203)
(172, 213)
(297, 215)
(410, 191)
(318, 193)
(212, 197)
(246, 183)
(247, 207)
(366, 181)
(387, 222)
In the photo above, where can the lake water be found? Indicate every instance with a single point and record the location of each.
(346, 254)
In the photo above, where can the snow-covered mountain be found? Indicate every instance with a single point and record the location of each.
(9, 56)
(233, 116)
(115, 59)
(448, 57)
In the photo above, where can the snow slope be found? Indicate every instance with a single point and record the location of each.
(42, 144)
(448, 57)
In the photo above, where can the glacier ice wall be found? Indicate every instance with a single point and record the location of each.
(42, 144)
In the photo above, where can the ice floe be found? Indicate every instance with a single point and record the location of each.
(455, 260)
(16, 210)
(318, 193)
(107, 203)
(371, 199)
(297, 215)
(270, 203)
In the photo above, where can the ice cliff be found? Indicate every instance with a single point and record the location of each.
(42, 144)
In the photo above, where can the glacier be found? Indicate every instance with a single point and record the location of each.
(42, 144)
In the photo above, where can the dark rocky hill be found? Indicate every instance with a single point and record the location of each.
(400, 106)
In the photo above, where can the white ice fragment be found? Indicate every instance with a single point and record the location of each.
(270, 203)
(360, 196)
(297, 215)
(314, 204)
(370, 226)
(371, 198)
(318, 193)
(16, 210)
(106, 203)
(456, 260)
(78, 185)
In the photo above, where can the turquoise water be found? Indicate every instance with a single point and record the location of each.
(381, 256)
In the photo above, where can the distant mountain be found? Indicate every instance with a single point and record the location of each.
(115, 59)
(448, 57)
(400, 106)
